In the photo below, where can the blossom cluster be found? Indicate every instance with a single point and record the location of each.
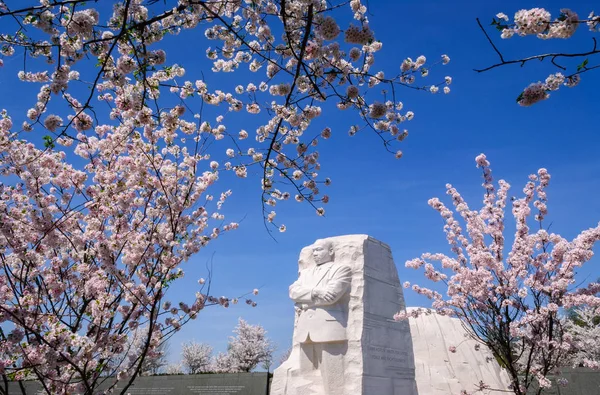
(510, 301)
(539, 91)
(538, 22)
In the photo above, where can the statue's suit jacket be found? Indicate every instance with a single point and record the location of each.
(319, 320)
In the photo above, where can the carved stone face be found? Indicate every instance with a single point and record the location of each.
(323, 253)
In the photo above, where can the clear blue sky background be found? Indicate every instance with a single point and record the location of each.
(375, 194)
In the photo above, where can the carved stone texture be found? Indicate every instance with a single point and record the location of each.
(351, 345)
(440, 371)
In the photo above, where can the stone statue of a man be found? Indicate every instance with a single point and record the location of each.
(321, 295)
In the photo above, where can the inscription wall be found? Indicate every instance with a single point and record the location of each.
(193, 384)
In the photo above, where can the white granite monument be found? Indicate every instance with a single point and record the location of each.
(345, 340)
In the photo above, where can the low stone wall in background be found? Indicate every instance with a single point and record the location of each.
(192, 384)
(581, 382)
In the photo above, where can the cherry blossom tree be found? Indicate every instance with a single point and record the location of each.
(222, 363)
(584, 327)
(246, 350)
(173, 369)
(196, 357)
(510, 301)
(538, 22)
(267, 363)
(154, 361)
(110, 174)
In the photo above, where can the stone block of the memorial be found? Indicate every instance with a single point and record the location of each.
(448, 360)
(345, 340)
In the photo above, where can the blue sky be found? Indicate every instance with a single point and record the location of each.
(372, 193)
